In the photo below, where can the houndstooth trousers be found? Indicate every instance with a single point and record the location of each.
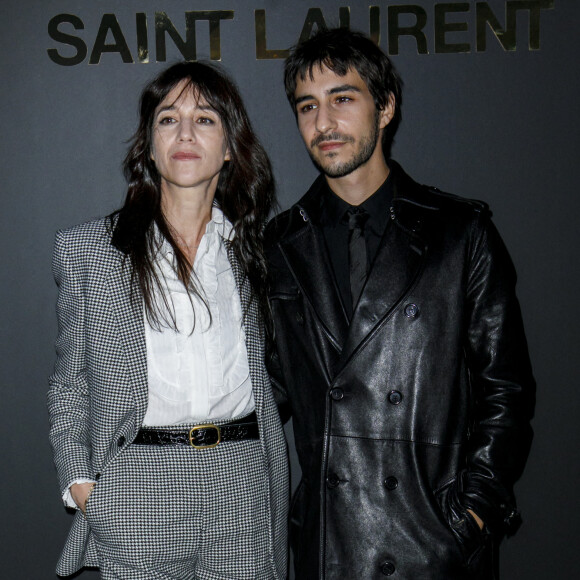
(179, 513)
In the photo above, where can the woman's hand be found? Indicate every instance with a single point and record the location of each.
(80, 493)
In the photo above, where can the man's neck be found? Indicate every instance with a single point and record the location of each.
(356, 187)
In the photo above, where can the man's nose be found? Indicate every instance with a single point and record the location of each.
(325, 120)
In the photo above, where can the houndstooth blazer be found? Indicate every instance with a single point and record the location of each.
(98, 392)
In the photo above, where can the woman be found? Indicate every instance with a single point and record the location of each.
(165, 434)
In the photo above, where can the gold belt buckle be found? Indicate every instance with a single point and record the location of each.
(205, 445)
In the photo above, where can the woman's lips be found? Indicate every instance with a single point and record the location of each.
(184, 156)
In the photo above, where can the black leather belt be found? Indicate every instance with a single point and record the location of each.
(202, 436)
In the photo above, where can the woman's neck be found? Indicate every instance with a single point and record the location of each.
(187, 217)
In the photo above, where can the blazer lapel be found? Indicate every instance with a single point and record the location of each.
(129, 315)
(253, 328)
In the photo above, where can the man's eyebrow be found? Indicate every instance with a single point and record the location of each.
(344, 89)
(333, 91)
(303, 98)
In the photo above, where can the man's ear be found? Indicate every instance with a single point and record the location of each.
(388, 112)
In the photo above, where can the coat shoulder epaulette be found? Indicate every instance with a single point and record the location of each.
(450, 201)
(429, 198)
(411, 193)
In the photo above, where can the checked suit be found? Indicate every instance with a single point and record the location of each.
(98, 392)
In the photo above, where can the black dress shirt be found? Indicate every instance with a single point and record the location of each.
(334, 224)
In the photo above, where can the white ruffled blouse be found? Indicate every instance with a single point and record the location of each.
(200, 374)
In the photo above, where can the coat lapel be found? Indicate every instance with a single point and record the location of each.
(310, 264)
(398, 263)
(305, 252)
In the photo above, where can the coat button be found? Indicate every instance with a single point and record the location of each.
(300, 318)
(336, 394)
(395, 397)
(332, 481)
(387, 568)
(411, 311)
(121, 441)
(391, 483)
(97, 476)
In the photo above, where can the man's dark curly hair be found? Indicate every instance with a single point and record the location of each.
(341, 50)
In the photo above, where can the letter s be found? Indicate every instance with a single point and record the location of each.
(74, 41)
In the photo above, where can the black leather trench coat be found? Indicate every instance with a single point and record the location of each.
(419, 408)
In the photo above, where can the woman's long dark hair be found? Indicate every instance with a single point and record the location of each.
(245, 189)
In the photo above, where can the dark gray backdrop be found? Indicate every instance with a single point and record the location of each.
(493, 124)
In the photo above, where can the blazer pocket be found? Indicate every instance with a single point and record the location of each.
(92, 505)
(90, 500)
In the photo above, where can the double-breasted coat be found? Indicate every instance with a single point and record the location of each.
(98, 392)
(413, 411)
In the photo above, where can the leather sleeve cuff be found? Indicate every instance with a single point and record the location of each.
(499, 514)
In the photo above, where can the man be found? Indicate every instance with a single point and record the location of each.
(400, 351)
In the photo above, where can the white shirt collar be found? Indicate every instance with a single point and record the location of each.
(218, 224)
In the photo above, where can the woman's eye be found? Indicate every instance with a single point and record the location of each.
(205, 121)
(166, 121)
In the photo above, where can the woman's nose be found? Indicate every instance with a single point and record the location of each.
(186, 130)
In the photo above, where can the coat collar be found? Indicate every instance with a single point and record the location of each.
(398, 262)
(412, 203)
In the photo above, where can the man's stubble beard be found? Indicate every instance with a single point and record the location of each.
(368, 143)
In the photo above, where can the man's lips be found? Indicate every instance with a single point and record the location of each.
(330, 145)
(331, 141)
(184, 156)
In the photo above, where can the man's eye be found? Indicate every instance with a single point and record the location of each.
(343, 99)
(307, 108)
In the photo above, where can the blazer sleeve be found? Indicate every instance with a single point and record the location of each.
(68, 395)
(501, 380)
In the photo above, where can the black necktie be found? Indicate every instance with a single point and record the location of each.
(357, 252)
